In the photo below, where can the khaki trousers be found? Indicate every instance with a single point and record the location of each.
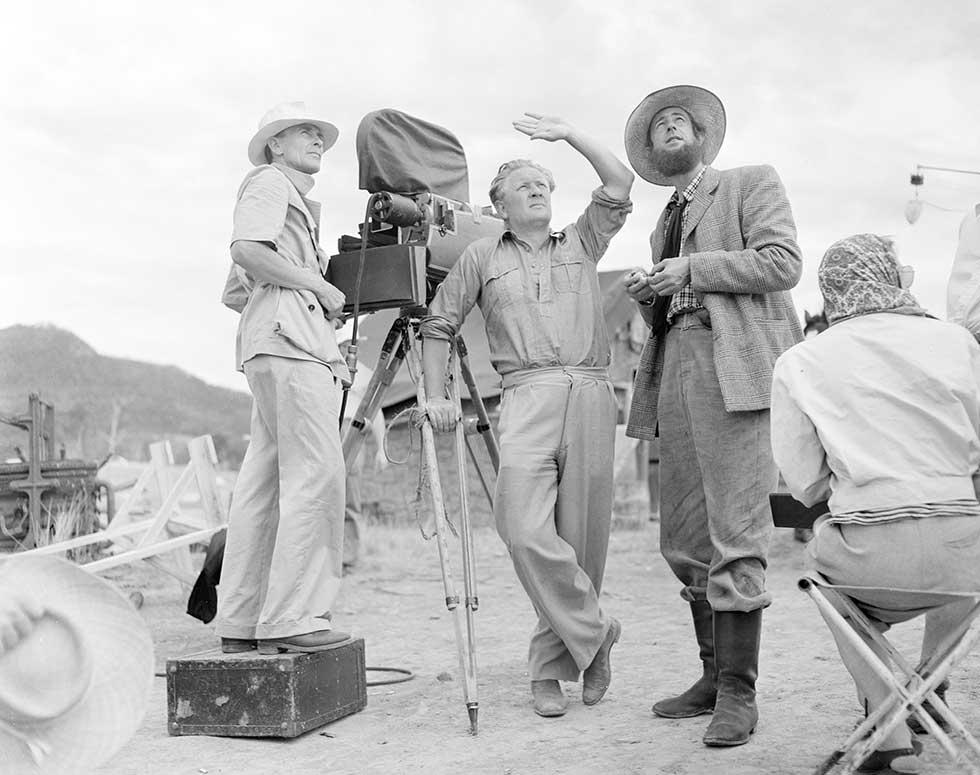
(282, 563)
(553, 506)
(926, 555)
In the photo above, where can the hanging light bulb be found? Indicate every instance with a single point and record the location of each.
(913, 209)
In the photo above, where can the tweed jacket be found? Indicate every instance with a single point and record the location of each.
(741, 240)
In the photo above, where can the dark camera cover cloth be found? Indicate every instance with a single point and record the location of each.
(406, 155)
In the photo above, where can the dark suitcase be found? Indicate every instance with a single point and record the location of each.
(248, 695)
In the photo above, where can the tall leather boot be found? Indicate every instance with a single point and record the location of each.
(699, 698)
(737, 637)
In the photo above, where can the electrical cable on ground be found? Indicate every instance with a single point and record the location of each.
(402, 675)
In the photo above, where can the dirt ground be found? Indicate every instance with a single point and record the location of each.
(394, 601)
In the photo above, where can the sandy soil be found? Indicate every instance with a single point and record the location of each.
(394, 601)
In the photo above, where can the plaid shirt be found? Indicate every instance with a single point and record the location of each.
(684, 300)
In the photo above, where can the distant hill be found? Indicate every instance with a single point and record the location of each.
(149, 402)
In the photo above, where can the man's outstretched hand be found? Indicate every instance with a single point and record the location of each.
(541, 127)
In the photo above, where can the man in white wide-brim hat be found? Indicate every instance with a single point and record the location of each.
(717, 301)
(76, 668)
(282, 563)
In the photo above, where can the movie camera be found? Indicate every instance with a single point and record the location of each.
(417, 223)
(418, 219)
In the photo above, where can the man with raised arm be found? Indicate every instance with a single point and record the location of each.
(538, 290)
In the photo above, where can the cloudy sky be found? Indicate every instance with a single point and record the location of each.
(125, 126)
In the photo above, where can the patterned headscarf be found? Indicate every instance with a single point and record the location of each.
(860, 275)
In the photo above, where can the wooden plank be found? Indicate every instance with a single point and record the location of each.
(167, 507)
(93, 538)
(142, 552)
(169, 554)
(143, 482)
(204, 458)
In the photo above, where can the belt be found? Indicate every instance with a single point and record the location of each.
(701, 314)
(526, 376)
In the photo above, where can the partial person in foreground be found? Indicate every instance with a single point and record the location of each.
(282, 563)
(538, 290)
(880, 415)
(718, 304)
(963, 290)
(76, 668)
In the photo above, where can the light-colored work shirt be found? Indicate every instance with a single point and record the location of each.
(878, 412)
(542, 307)
(272, 208)
(963, 292)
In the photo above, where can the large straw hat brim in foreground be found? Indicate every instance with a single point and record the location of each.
(121, 653)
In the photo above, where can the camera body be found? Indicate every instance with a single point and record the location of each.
(413, 241)
(418, 219)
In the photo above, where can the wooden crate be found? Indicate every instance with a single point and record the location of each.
(249, 695)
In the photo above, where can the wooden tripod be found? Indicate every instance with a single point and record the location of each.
(402, 345)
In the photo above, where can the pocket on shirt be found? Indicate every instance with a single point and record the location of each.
(299, 319)
(503, 286)
(568, 275)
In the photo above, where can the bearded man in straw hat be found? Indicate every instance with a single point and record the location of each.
(718, 303)
(282, 562)
(539, 292)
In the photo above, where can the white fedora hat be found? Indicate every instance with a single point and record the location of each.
(703, 105)
(75, 687)
(283, 116)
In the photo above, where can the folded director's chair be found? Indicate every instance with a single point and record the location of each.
(910, 686)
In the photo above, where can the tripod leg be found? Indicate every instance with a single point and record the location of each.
(431, 464)
(479, 473)
(466, 540)
(483, 419)
(389, 361)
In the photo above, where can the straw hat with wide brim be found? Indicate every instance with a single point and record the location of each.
(703, 106)
(75, 687)
(283, 116)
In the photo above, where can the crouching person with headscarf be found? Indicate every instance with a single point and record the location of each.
(880, 415)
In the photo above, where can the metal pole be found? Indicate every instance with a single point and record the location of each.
(946, 169)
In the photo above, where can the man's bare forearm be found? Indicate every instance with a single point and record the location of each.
(615, 176)
(264, 265)
(435, 357)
